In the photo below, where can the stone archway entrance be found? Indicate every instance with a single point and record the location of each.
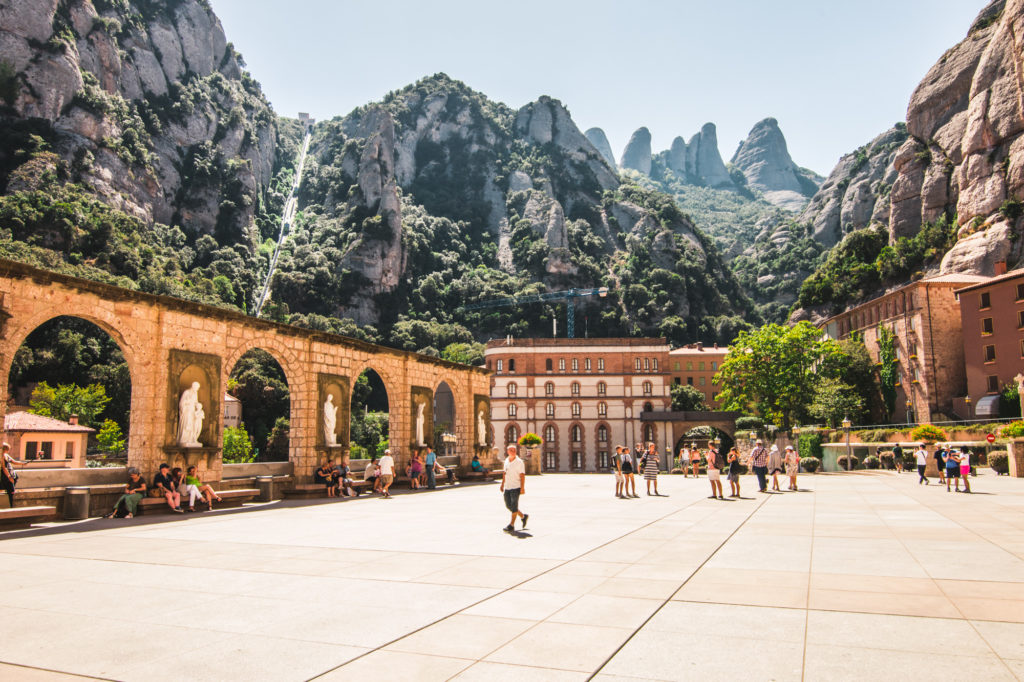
(671, 427)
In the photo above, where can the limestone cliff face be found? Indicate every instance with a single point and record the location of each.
(146, 102)
(600, 142)
(765, 162)
(857, 192)
(699, 161)
(637, 154)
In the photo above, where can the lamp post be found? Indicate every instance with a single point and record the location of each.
(970, 414)
(909, 405)
(849, 458)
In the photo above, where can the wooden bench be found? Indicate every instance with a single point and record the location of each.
(229, 498)
(24, 517)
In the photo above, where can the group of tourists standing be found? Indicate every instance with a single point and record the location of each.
(952, 463)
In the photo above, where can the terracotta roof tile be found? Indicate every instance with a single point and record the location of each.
(26, 421)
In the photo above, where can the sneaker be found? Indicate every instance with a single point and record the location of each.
(720, 497)
(179, 510)
(509, 528)
(525, 517)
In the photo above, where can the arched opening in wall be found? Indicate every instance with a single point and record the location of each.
(700, 437)
(371, 420)
(69, 396)
(444, 420)
(257, 410)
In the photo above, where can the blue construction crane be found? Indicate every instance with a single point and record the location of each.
(569, 297)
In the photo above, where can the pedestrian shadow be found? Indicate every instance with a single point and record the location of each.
(521, 534)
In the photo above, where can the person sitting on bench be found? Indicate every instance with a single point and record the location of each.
(163, 486)
(477, 467)
(442, 469)
(371, 475)
(325, 476)
(344, 478)
(133, 493)
(196, 489)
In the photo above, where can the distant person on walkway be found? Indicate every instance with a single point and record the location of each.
(897, 458)
(629, 467)
(8, 476)
(414, 471)
(715, 466)
(792, 461)
(952, 469)
(734, 473)
(651, 461)
(922, 464)
(387, 473)
(193, 484)
(324, 475)
(684, 461)
(695, 462)
(133, 493)
(619, 478)
(941, 453)
(163, 486)
(371, 474)
(513, 484)
(431, 466)
(775, 466)
(759, 462)
(965, 468)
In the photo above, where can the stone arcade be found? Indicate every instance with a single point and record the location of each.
(171, 344)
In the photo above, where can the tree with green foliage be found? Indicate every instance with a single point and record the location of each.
(464, 353)
(237, 446)
(834, 401)
(277, 442)
(888, 370)
(259, 383)
(686, 398)
(110, 438)
(772, 371)
(68, 399)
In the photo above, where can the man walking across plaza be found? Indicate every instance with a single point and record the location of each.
(759, 460)
(387, 472)
(513, 484)
(922, 463)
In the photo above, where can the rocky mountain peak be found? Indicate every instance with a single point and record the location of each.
(765, 161)
(704, 161)
(600, 142)
(548, 121)
(637, 154)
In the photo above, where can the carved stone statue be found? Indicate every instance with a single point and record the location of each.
(188, 429)
(420, 405)
(330, 421)
(481, 428)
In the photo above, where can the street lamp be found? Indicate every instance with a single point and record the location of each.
(909, 405)
(846, 428)
(967, 401)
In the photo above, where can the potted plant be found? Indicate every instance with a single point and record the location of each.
(530, 442)
(929, 434)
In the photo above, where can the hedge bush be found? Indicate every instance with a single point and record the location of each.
(810, 464)
(928, 434)
(744, 424)
(999, 462)
(841, 462)
(909, 459)
(872, 462)
(809, 445)
(1013, 430)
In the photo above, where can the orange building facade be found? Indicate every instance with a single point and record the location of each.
(696, 365)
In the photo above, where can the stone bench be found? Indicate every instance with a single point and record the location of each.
(24, 517)
(314, 490)
(229, 498)
(481, 476)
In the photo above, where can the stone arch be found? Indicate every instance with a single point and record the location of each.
(294, 377)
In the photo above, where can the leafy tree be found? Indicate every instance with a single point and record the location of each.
(834, 401)
(888, 371)
(237, 446)
(277, 442)
(686, 398)
(772, 371)
(465, 353)
(110, 438)
(68, 399)
(261, 387)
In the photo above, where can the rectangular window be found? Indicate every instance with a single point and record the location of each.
(1020, 319)
(689, 366)
(637, 364)
(701, 366)
(655, 364)
(511, 365)
(1020, 292)
(993, 384)
(602, 460)
(647, 364)
(702, 381)
(714, 396)
(575, 365)
(550, 461)
(986, 325)
(714, 366)
(990, 353)
(675, 366)
(689, 381)
(916, 374)
(31, 449)
(47, 450)
(69, 451)
(577, 460)
(910, 324)
(549, 388)
(586, 364)
(500, 366)
(677, 381)
(600, 364)
(561, 364)
(1022, 348)
(549, 365)
(550, 410)
(986, 300)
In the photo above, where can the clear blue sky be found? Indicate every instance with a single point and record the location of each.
(834, 74)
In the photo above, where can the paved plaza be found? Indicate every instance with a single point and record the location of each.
(864, 575)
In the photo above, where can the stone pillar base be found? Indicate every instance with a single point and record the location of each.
(1015, 452)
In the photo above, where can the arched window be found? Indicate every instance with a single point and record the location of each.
(577, 433)
(586, 364)
(500, 365)
(602, 433)
(512, 410)
(548, 365)
(549, 434)
(648, 433)
(512, 435)
(512, 389)
(602, 409)
(549, 388)
(600, 364)
(575, 388)
(602, 388)
(648, 407)
(576, 409)
(549, 410)
(575, 364)
(648, 388)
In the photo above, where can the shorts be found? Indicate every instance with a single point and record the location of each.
(619, 478)
(776, 470)
(952, 472)
(387, 479)
(734, 477)
(512, 500)
(965, 470)
(714, 475)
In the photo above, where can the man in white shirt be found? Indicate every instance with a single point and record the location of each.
(922, 463)
(513, 484)
(386, 465)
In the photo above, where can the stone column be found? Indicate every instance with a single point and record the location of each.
(931, 468)
(1015, 452)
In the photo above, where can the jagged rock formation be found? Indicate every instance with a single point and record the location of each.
(637, 154)
(765, 162)
(699, 160)
(857, 192)
(600, 142)
(147, 105)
